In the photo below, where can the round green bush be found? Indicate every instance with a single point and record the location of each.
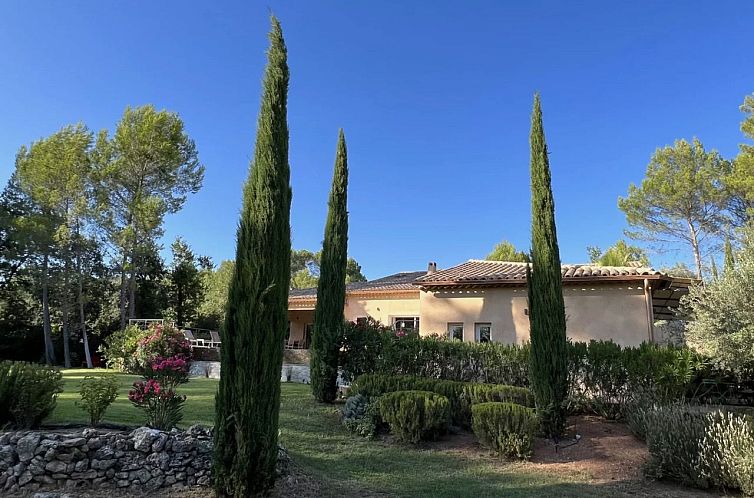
(507, 428)
(415, 415)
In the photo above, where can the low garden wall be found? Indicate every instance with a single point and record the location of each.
(137, 461)
(288, 373)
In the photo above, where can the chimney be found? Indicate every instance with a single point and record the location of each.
(431, 267)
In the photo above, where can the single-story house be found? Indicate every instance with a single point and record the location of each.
(485, 301)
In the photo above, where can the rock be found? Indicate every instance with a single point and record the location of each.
(44, 479)
(89, 474)
(169, 480)
(160, 443)
(203, 481)
(70, 443)
(27, 445)
(143, 438)
(104, 453)
(7, 456)
(25, 478)
(81, 465)
(89, 433)
(94, 443)
(123, 483)
(56, 467)
(161, 460)
(103, 464)
(143, 475)
(154, 484)
(19, 468)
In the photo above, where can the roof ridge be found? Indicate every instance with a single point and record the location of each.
(495, 261)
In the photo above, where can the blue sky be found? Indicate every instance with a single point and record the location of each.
(434, 98)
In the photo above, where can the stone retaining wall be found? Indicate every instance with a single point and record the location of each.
(138, 461)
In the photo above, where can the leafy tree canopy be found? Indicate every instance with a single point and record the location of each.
(305, 269)
(619, 254)
(739, 183)
(681, 198)
(506, 251)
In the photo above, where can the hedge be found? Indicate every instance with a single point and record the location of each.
(602, 374)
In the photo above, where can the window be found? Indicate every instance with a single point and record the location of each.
(483, 332)
(455, 331)
(407, 323)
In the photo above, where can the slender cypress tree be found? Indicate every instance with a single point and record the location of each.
(331, 288)
(546, 307)
(248, 399)
(729, 261)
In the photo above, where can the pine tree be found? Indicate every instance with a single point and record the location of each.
(331, 288)
(546, 307)
(248, 398)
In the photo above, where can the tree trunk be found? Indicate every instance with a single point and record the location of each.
(132, 289)
(46, 328)
(66, 315)
(695, 248)
(82, 316)
(122, 299)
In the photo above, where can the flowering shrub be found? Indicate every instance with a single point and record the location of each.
(162, 341)
(162, 406)
(164, 356)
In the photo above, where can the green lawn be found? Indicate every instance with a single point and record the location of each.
(347, 465)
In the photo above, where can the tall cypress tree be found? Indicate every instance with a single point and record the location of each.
(331, 288)
(729, 262)
(248, 398)
(546, 307)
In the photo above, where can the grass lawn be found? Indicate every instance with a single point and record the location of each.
(345, 465)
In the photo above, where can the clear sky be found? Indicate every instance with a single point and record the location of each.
(434, 97)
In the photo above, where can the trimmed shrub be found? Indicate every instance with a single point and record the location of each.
(28, 393)
(461, 395)
(361, 415)
(507, 428)
(415, 415)
(97, 393)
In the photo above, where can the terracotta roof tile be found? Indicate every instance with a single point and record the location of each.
(395, 282)
(482, 271)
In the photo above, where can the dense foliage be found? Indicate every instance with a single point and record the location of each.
(97, 393)
(28, 393)
(696, 446)
(248, 399)
(547, 320)
(370, 347)
(415, 415)
(507, 428)
(331, 289)
(722, 315)
(603, 376)
(361, 415)
(460, 395)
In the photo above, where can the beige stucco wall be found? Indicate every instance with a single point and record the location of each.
(298, 320)
(382, 309)
(379, 308)
(616, 312)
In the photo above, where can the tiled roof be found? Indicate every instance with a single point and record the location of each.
(395, 282)
(482, 271)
